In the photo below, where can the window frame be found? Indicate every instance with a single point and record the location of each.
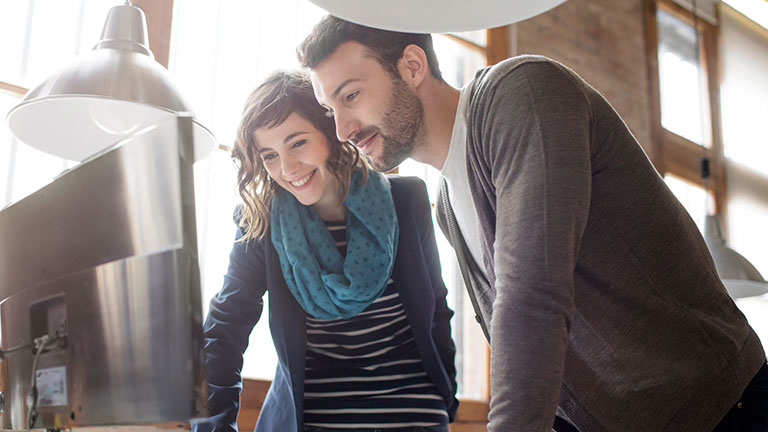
(672, 153)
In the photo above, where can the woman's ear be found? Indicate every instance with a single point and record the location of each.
(413, 66)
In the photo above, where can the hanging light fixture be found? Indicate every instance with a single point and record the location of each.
(739, 276)
(107, 94)
(435, 16)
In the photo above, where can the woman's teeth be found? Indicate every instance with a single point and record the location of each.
(300, 182)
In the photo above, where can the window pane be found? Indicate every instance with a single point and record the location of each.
(680, 83)
(32, 170)
(756, 10)
(477, 36)
(220, 51)
(744, 92)
(694, 198)
(53, 38)
(458, 66)
(59, 30)
(7, 149)
(13, 24)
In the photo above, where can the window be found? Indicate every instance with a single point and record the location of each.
(680, 79)
(696, 200)
(744, 93)
(37, 38)
(458, 65)
(685, 86)
(732, 125)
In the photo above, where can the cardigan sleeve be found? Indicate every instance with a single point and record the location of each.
(536, 141)
(232, 315)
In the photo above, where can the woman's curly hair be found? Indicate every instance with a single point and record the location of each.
(280, 95)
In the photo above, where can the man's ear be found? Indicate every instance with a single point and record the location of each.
(413, 65)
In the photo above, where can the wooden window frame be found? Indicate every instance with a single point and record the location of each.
(674, 154)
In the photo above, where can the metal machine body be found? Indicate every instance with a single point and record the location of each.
(105, 255)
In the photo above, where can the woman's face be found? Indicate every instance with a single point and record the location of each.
(295, 154)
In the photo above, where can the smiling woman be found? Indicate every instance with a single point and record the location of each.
(358, 307)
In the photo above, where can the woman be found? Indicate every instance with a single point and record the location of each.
(358, 310)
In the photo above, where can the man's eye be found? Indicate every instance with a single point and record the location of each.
(350, 97)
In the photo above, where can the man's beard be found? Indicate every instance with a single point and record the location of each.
(403, 123)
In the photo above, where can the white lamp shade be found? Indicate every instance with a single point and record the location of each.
(739, 276)
(105, 95)
(435, 16)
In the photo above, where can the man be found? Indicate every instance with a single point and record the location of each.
(594, 286)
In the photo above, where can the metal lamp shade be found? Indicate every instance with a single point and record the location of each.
(107, 94)
(435, 16)
(739, 276)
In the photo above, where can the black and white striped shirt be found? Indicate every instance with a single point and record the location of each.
(365, 372)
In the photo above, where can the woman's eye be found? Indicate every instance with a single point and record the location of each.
(299, 143)
(268, 157)
(352, 96)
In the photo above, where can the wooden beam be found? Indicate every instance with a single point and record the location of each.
(710, 42)
(656, 153)
(159, 17)
(497, 45)
(12, 88)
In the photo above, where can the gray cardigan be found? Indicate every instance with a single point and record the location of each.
(601, 295)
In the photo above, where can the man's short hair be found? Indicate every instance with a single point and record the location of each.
(386, 46)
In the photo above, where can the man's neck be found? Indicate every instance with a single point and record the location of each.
(440, 102)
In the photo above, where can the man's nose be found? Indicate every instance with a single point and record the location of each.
(346, 126)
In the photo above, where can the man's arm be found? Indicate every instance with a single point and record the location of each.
(536, 142)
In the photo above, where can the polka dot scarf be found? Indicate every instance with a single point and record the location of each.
(327, 285)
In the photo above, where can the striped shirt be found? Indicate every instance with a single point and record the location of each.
(365, 371)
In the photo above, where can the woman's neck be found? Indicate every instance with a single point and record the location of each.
(331, 213)
(330, 207)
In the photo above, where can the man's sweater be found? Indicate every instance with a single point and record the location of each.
(601, 294)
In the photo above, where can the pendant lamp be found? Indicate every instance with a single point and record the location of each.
(739, 276)
(105, 95)
(435, 16)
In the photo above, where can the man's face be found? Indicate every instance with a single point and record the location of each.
(379, 114)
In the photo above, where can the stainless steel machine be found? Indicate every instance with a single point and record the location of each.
(100, 289)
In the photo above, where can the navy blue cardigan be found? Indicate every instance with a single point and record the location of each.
(254, 269)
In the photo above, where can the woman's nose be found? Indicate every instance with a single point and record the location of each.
(290, 165)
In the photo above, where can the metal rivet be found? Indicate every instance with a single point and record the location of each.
(739, 405)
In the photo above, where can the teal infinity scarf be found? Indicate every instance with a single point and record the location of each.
(327, 285)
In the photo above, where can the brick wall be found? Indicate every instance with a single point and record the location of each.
(604, 42)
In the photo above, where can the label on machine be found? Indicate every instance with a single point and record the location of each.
(52, 386)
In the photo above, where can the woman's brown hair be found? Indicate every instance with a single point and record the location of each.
(280, 95)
